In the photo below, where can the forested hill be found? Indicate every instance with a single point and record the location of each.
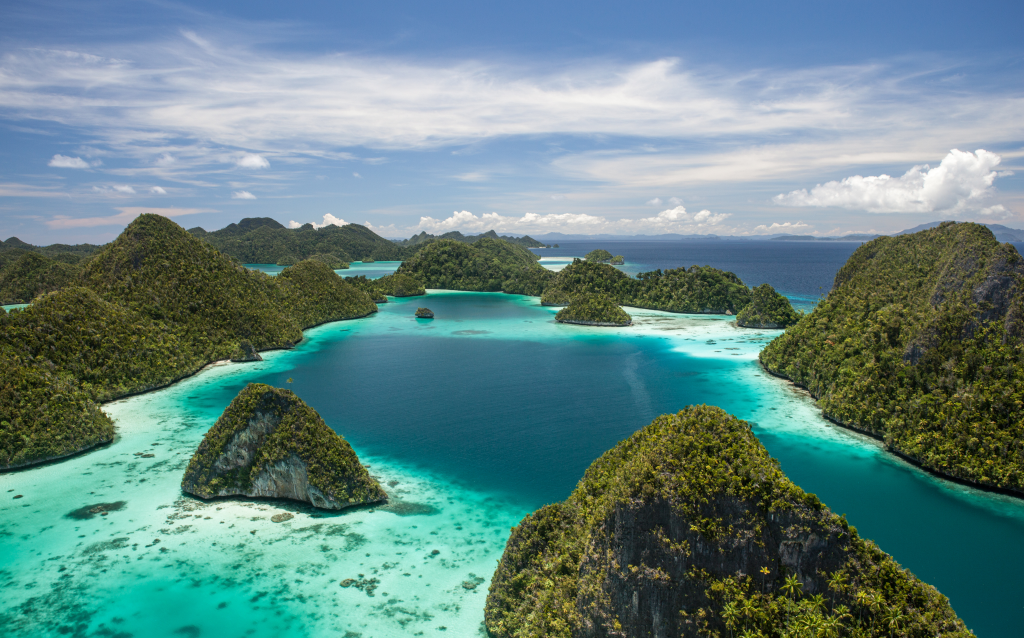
(27, 271)
(525, 241)
(153, 306)
(921, 342)
(487, 265)
(689, 528)
(262, 240)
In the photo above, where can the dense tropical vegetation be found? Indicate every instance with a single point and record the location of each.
(598, 255)
(287, 427)
(262, 240)
(425, 238)
(689, 528)
(699, 289)
(32, 274)
(153, 306)
(921, 343)
(487, 265)
(767, 309)
(593, 310)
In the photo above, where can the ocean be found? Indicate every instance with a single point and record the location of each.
(470, 421)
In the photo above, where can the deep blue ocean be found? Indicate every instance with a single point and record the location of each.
(470, 421)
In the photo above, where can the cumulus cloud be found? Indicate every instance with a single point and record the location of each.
(251, 160)
(63, 161)
(123, 218)
(242, 195)
(329, 220)
(786, 227)
(675, 220)
(158, 190)
(961, 182)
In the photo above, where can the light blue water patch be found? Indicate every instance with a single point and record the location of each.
(372, 270)
(470, 420)
(15, 306)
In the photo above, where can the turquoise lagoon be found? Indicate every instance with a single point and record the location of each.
(470, 421)
(371, 270)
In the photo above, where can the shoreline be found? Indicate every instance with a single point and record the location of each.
(981, 487)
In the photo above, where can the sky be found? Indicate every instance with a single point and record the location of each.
(732, 118)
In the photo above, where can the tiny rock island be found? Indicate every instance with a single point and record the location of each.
(424, 313)
(767, 309)
(269, 443)
(593, 310)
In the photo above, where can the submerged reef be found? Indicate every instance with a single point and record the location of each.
(767, 309)
(269, 443)
(689, 528)
(593, 310)
(921, 343)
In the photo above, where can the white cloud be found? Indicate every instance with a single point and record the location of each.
(329, 220)
(357, 176)
(654, 202)
(473, 176)
(251, 160)
(675, 220)
(675, 201)
(242, 195)
(786, 227)
(10, 189)
(122, 189)
(960, 183)
(63, 161)
(123, 218)
(165, 160)
(158, 190)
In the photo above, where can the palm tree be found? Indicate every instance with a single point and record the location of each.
(792, 587)
(730, 615)
(837, 584)
(893, 620)
(829, 627)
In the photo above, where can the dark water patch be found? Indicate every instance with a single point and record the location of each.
(189, 631)
(404, 508)
(106, 546)
(97, 509)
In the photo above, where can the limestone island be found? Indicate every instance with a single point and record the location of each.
(270, 444)
(617, 260)
(689, 528)
(593, 310)
(598, 256)
(424, 313)
(368, 260)
(767, 309)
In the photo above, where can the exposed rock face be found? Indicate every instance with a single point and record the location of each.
(424, 313)
(268, 443)
(686, 518)
(245, 352)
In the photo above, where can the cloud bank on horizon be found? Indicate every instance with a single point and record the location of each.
(223, 122)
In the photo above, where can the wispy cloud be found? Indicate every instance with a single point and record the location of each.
(785, 227)
(242, 195)
(674, 220)
(124, 217)
(120, 189)
(962, 181)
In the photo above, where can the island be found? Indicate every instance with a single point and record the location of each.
(593, 310)
(920, 343)
(689, 528)
(369, 260)
(424, 313)
(269, 444)
(617, 260)
(486, 265)
(152, 307)
(767, 309)
(598, 256)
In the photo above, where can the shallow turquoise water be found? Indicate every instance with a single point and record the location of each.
(372, 270)
(470, 420)
(15, 306)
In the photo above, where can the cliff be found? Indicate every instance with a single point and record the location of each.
(269, 443)
(689, 528)
(919, 343)
(767, 309)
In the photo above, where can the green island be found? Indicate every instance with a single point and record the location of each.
(599, 256)
(767, 309)
(689, 527)
(920, 344)
(268, 443)
(425, 238)
(617, 260)
(486, 265)
(593, 310)
(424, 313)
(262, 240)
(698, 289)
(153, 306)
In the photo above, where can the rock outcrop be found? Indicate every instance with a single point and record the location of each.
(269, 443)
(689, 528)
(424, 313)
(245, 352)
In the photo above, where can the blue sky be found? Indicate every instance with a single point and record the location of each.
(576, 117)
